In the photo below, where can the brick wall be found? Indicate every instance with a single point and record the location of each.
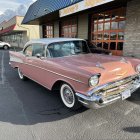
(132, 31)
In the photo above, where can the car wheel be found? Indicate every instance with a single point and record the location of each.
(6, 47)
(21, 76)
(68, 97)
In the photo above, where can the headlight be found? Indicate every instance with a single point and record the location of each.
(93, 81)
(138, 68)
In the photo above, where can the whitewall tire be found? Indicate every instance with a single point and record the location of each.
(20, 74)
(68, 97)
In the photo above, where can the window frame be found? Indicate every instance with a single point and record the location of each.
(44, 46)
(50, 56)
(69, 24)
(48, 31)
(106, 33)
(29, 45)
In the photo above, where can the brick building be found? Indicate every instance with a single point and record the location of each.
(110, 24)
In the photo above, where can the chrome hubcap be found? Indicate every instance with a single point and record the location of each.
(68, 96)
(5, 47)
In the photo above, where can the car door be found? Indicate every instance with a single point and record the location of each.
(35, 62)
(27, 67)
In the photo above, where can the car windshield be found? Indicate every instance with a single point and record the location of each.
(68, 48)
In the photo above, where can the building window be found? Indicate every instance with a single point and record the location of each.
(48, 31)
(69, 28)
(108, 30)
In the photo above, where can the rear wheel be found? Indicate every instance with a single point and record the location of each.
(21, 76)
(68, 97)
(6, 47)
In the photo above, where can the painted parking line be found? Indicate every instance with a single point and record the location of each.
(2, 68)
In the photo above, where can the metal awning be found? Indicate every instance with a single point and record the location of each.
(7, 30)
(45, 7)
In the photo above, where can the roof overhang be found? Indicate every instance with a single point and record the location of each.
(7, 30)
(56, 14)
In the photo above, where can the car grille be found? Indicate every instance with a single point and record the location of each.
(118, 87)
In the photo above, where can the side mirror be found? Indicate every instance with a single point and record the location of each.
(38, 55)
(26, 55)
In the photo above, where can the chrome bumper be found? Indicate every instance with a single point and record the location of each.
(98, 101)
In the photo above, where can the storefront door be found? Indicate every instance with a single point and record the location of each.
(69, 28)
(48, 31)
(108, 30)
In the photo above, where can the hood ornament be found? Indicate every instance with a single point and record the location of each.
(123, 60)
(99, 65)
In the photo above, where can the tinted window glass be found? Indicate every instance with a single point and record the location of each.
(38, 49)
(120, 46)
(68, 48)
(113, 46)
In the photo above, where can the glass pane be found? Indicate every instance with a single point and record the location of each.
(69, 29)
(100, 27)
(122, 25)
(94, 36)
(65, 30)
(113, 36)
(100, 36)
(74, 29)
(105, 45)
(107, 26)
(121, 36)
(95, 27)
(114, 25)
(106, 36)
(99, 44)
(120, 46)
(113, 46)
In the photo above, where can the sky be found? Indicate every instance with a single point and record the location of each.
(10, 8)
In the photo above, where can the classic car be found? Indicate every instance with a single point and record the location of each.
(5, 45)
(81, 77)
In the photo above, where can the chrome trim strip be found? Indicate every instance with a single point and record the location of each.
(56, 73)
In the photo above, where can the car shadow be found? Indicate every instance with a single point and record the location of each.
(132, 129)
(135, 98)
(40, 104)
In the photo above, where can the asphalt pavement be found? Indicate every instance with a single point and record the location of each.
(28, 111)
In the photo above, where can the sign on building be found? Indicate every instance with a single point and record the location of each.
(86, 4)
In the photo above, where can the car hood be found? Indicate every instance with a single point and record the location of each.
(111, 68)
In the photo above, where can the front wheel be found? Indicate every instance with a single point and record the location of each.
(68, 97)
(21, 76)
(6, 47)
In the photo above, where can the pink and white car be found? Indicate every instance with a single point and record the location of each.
(66, 65)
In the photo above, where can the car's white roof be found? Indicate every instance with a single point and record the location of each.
(48, 41)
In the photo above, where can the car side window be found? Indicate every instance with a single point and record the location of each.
(28, 51)
(38, 49)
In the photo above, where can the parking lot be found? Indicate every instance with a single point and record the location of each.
(28, 111)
